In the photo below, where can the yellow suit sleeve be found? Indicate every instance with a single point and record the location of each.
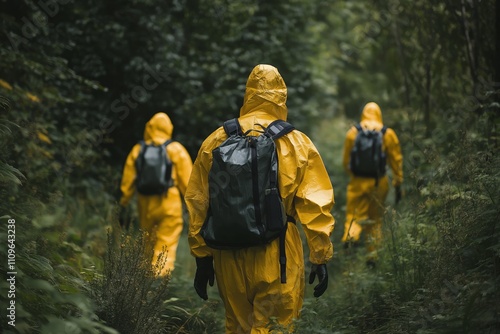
(197, 196)
(127, 186)
(394, 156)
(183, 165)
(348, 144)
(314, 201)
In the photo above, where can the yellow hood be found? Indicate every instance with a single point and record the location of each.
(371, 117)
(266, 92)
(158, 129)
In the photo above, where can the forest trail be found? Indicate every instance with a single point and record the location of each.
(79, 80)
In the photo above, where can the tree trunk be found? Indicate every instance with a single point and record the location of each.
(427, 110)
(471, 44)
(497, 48)
(402, 60)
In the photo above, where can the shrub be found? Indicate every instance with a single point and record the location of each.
(129, 293)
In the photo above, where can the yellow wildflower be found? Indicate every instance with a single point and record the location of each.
(32, 97)
(5, 84)
(43, 137)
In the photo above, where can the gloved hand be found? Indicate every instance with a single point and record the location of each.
(320, 270)
(398, 194)
(204, 274)
(123, 217)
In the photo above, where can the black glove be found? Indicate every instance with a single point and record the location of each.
(398, 194)
(123, 217)
(204, 274)
(320, 270)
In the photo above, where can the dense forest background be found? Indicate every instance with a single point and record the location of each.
(79, 80)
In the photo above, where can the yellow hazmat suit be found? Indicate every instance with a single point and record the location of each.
(248, 280)
(160, 215)
(365, 196)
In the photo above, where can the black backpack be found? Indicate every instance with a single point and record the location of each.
(154, 169)
(245, 207)
(367, 157)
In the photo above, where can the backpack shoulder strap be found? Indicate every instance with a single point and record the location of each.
(278, 128)
(166, 143)
(143, 146)
(358, 127)
(383, 130)
(232, 127)
(140, 158)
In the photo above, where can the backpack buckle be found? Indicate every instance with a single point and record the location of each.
(271, 191)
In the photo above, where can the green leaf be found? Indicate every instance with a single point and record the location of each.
(9, 174)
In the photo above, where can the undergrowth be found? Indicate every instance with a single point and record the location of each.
(439, 263)
(129, 293)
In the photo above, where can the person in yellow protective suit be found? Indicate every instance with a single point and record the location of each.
(366, 196)
(160, 215)
(248, 279)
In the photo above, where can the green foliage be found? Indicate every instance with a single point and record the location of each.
(48, 287)
(198, 320)
(79, 81)
(438, 267)
(49, 290)
(188, 58)
(132, 298)
(8, 174)
(404, 53)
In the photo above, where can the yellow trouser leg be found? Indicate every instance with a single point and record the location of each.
(250, 287)
(168, 233)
